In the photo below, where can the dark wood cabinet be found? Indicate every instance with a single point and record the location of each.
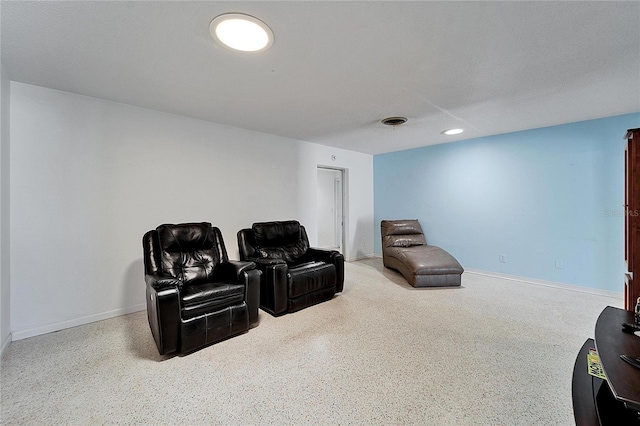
(632, 218)
(616, 400)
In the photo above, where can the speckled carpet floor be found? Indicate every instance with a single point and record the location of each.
(493, 352)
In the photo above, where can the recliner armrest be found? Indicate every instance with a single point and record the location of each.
(159, 283)
(234, 269)
(252, 294)
(163, 311)
(268, 261)
(329, 256)
(273, 289)
(324, 255)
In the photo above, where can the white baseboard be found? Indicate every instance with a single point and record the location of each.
(360, 257)
(5, 345)
(571, 287)
(50, 328)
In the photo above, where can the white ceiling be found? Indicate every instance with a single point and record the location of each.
(337, 68)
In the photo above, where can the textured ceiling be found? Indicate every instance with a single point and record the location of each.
(337, 68)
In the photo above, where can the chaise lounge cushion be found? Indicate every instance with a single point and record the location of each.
(404, 248)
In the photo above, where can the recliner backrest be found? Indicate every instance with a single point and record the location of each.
(286, 240)
(402, 233)
(189, 252)
(276, 234)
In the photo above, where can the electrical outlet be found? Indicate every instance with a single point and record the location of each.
(558, 264)
(502, 258)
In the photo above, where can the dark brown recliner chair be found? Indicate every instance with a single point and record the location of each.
(195, 294)
(405, 249)
(294, 275)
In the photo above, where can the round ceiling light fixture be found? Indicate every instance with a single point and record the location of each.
(394, 121)
(452, 132)
(241, 32)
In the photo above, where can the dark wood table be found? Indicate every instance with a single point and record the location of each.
(615, 401)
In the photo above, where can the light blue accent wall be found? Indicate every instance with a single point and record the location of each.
(536, 197)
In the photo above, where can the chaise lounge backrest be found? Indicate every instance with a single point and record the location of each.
(402, 233)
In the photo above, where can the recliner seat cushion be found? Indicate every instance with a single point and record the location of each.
(310, 277)
(198, 299)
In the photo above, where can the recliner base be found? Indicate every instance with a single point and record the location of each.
(310, 299)
(213, 327)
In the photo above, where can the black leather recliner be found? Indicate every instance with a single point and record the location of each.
(195, 294)
(294, 275)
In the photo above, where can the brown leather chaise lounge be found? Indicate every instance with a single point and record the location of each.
(405, 249)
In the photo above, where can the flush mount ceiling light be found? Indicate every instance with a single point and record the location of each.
(451, 132)
(241, 32)
(394, 121)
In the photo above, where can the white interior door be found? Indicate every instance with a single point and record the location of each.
(330, 212)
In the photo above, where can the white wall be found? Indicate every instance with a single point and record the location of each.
(89, 177)
(359, 204)
(549, 200)
(5, 336)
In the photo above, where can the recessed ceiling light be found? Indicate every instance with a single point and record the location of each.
(241, 32)
(451, 132)
(394, 121)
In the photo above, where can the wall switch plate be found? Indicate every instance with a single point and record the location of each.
(558, 264)
(502, 258)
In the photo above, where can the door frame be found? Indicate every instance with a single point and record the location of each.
(344, 200)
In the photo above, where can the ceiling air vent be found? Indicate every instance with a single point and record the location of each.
(394, 121)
